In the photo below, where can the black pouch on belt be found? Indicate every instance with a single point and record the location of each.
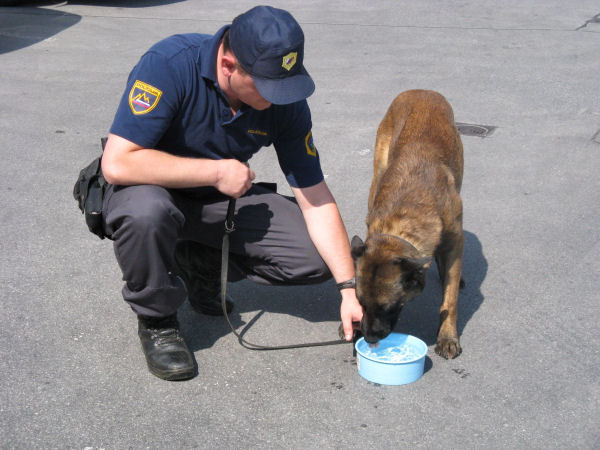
(89, 192)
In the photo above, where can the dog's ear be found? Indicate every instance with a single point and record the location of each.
(357, 247)
(413, 272)
(412, 264)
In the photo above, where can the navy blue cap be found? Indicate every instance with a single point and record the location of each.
(269, 44)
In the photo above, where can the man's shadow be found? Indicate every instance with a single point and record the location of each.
(312, 303)
(320, 303)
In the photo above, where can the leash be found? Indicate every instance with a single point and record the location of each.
(229, 228)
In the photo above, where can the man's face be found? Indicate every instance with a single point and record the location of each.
(242, 86)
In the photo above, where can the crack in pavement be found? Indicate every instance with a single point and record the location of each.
(595, 19)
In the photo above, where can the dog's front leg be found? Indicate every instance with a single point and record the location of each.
(448, 345)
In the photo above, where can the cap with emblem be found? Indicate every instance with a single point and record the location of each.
(269, 44)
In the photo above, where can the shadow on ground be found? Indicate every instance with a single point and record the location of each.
(28, 23)
(125, 3)
(315, 303)
(320, 303)
(22, 27)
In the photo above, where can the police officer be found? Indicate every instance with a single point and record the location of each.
(195, 110)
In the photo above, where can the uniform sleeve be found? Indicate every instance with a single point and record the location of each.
(149, 102)
(296, 151)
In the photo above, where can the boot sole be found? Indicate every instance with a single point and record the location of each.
(173, 375)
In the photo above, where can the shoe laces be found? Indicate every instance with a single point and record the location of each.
(165, 336)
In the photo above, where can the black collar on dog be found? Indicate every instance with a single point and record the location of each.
(401, 239)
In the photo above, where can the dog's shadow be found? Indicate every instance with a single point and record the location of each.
(420, 317)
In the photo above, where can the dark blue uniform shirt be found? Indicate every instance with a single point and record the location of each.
(173, 103)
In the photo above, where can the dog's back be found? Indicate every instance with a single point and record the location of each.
(425, 117)
(418, 164)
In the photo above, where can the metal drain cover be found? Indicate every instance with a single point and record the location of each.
(471, 129)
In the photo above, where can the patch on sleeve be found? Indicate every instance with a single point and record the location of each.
(310, 145)
(143, 98)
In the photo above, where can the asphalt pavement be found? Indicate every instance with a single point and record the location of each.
(73, 374)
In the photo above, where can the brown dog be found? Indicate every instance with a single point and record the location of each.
(415, 214)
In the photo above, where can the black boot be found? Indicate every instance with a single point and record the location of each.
(200, 268)
(166, 353)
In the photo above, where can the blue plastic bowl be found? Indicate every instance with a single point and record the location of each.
(398, 359)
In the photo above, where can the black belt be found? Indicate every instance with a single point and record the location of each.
(229, 227)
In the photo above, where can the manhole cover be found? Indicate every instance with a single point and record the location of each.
(471, 129)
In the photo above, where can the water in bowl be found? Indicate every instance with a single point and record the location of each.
(397, 354)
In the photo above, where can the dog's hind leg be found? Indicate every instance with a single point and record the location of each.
(449, 263)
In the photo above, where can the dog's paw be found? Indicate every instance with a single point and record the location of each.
(448, 348)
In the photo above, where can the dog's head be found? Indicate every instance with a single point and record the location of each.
(389, 272)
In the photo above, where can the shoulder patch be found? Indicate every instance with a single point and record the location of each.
(143, 98)
(310, 145)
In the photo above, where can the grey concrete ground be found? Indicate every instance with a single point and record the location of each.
(73, 375)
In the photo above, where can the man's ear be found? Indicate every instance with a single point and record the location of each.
(228, 64)
(357, 248)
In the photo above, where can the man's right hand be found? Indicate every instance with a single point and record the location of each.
(234, 178)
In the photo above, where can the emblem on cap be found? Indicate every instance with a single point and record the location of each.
(289, 60)
(143, 98)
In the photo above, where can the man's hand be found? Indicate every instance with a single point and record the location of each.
(351, 312)
(234, 178)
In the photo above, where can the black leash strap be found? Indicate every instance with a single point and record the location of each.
(229, 227)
